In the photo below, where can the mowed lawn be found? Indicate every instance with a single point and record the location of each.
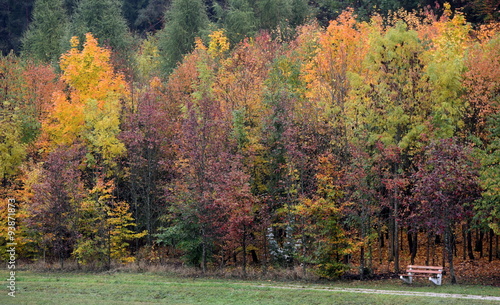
(148, 288)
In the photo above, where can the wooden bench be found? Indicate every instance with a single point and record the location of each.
(434, 273)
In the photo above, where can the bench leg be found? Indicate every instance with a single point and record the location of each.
(436, 280)
(406, 278)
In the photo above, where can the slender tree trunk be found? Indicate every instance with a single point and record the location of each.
(445, 251)
(391, 241)
(109, 249)
(464, 241)
(244, 245)
(401, 240)
(427, 254)
(415, 246)
(203, 251)
(396, 238)
(362, 262)
(412, 245)
(470, 250)
(255, 258)
(264, 257)
(455, 248)
(370, 256)
(490, 258)
(136, 209)
(433, 254)
(380, 246)
(449, 251)
(481, 241)
(409, 237)
(203, 257)
(221, 266)
(497, 247)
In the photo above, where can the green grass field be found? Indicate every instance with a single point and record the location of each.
(149, 288)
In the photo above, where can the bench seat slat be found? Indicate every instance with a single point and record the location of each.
(416, 275)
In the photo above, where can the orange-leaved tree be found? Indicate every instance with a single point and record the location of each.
(90, 112)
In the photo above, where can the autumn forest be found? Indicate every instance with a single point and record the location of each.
(253, 135)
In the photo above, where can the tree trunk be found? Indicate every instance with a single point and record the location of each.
(109, 250)
(222, 262)
(445, 251)
(433, 254)
(497, 248)
(481, 247)
(464, 241)
(203, 251)
(362, 262)
(479, 242)
(449, 251)
(427, 252)
(244, 245)
(264, 250)
(255, 258)
(380, 246)
(412, 245)
(370, 256)
(490, 256)
(469, 243)
(396, 235)
(391, 241)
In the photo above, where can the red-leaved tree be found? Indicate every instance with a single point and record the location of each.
(444, 186)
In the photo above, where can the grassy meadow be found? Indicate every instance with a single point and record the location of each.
(153, 288)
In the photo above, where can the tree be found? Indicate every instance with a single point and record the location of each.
(481, 83)
(14, 18)
(239, 206)
(102, 225)
(184, 21)
(42, 39)
(448, 54)
(389, 102)
(147, 59)
(149, 134)
(239, 87)
(150, 18)
(444, 185)
(202, 139)
(132, 9)
(239, 21)
(322, 238)
(487, 207)
(12, 152)
(273, 13)
(120, 222)
(337, 53)
(104, 19)
(12, 98)
(55, 201)
(41, 82)
(91, 114)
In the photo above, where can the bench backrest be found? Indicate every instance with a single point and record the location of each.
(430, 268)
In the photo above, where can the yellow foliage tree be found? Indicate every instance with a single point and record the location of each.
(90, 112)
(104, 227)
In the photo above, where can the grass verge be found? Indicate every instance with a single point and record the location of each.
(149, 288)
